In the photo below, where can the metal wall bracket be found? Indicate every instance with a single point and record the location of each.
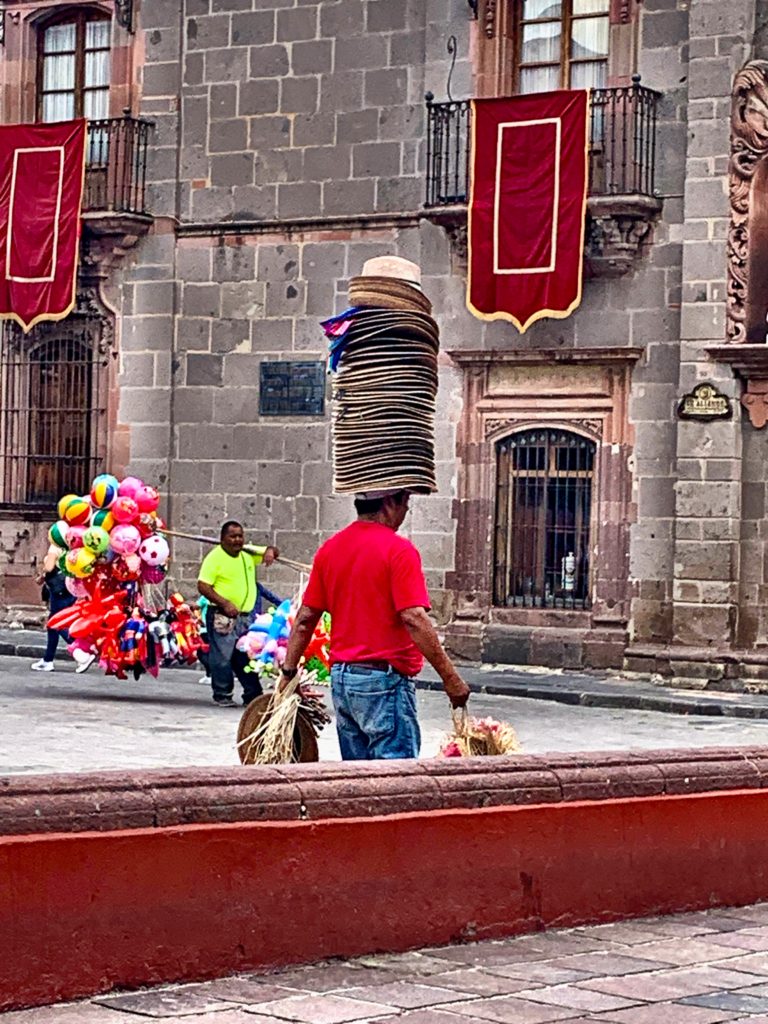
(473, 6)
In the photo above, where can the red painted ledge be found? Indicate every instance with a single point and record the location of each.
(90, 910)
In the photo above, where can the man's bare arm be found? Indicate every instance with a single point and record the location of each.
(303, 627)
(423, 634)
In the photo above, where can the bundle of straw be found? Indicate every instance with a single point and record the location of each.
(272, 741)
(479, 737)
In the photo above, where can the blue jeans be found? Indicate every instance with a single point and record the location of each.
(375, 713)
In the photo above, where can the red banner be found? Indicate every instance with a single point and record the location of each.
(42, 169)
(528, 206)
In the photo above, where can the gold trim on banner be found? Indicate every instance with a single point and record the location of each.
(61, 315)
(554, 314)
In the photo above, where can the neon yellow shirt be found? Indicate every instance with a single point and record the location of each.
(233, 578)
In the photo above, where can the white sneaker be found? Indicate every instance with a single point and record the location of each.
(204, 680)
(85, 663)
(42, 666)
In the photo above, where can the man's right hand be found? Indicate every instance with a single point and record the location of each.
(457, 691)
(230, 609)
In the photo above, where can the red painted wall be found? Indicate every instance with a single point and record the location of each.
(87, 912)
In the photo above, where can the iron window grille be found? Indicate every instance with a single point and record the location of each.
(292, 389)
(53, 410)
(622, 144)
(543, 511)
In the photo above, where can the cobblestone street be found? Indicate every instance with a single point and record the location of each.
(61, 721)
(700, 968)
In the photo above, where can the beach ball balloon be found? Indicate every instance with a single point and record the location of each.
(102, 517)
(147, 499)
(77, 511)
(63, 502)
(154, 550)
(96, 540)
(80, 562)
(63, 565)
(58, 534)
(75, 536)
(76, 587)
(125, 539)
(103, 490)
(127, 488)
(125, 510)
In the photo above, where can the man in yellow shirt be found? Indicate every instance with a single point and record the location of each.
(227, 578)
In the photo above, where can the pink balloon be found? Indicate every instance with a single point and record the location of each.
(125, 509)
(75, 536)
(76, 587)
(147, 499)
(127, 488)
(125, 539)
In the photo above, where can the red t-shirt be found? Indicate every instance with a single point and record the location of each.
(364, 576)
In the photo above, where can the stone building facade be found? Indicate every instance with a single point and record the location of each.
(289, 142)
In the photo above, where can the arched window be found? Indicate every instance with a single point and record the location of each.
(561, 44)
(74, 66)
(53, 407)
(543, 510)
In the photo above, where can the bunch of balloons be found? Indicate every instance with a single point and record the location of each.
(112, 553)
(266, 642)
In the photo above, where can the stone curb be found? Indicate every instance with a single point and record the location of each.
(164, 798)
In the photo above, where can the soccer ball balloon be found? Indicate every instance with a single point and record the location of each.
(154, 550)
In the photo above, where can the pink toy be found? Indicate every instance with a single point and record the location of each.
(125, 510)
(147, 499)
(75, 535)
(129, 486)
(125, 539)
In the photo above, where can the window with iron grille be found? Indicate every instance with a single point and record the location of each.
(292, 389)
(53, 410)
(543, 511)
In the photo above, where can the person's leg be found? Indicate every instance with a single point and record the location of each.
(383, 705)
(249, 681)
(353, 742)
(219, 663)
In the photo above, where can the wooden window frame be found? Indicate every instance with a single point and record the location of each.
(80, 17)
(567, 19)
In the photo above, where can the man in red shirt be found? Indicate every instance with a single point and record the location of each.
(371, 582)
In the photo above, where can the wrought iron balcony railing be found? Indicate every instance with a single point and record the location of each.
(116, 166)
(622, 145)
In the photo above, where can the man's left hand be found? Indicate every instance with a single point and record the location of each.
(270, 555)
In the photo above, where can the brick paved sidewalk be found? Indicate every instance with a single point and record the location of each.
(700, 968)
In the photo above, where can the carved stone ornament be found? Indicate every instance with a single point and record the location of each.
(705, 402)
(124, 13)
(494, 425)
(617, 227)
(749, 145)
(489, 18)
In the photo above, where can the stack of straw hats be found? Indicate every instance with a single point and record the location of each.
(385, 384)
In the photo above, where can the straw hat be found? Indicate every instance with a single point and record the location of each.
(392, 266)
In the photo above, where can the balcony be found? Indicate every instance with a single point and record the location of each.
(622, 201)
(115, 213)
